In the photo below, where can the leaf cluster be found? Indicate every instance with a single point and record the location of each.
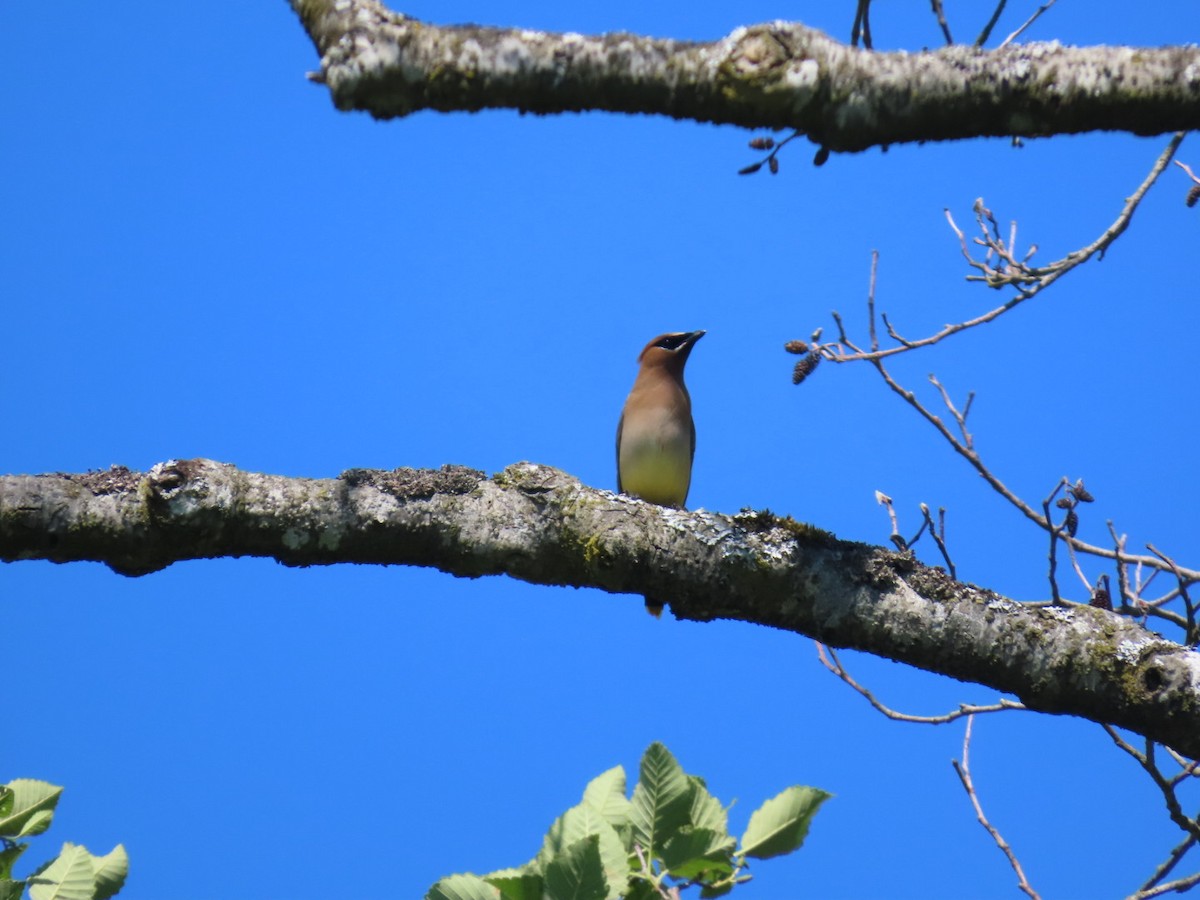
(26, 809)
(672, 834)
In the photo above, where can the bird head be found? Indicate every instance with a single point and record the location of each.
(671, 349)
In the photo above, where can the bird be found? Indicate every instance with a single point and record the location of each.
(656, 437)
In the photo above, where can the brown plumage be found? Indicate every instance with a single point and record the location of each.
(656, 437)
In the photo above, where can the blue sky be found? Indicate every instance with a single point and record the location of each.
(201, 257)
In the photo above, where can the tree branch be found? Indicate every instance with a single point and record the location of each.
(540, 525)
(776, 75)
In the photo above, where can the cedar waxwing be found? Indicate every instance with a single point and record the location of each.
(656, 438)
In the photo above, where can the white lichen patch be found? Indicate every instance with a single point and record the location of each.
(295, 538)
(801, 77)
(330, 538)
(1130, 650)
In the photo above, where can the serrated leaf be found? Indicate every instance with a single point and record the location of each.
(661, 800)
(707, 811)
(576, 872)
(694, 850)
(32, 807)
(780, 825)
(111, 870)
(524, 883)
(580, 822)
(70, 876)
(606, 793)
(463, 887)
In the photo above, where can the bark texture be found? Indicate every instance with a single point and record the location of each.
(779, 75)
(540, 525)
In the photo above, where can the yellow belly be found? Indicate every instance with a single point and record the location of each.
(656, 473)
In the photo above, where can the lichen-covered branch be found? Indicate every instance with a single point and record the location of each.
(780, 75)
(540, 525)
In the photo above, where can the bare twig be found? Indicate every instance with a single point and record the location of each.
(1012, 37)
(938, 534)
(1055, 531)
(964, 774)
(1192, 175)
(972, 457)
(1182, 589)
(987, 29)
(1146, 760)
(1171, 887)
(834, 665)
(1017, 273)
(1152, 887)
(959, 418)
(941, 18)
(862, 24)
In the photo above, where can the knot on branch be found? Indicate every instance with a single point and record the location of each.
(769, 59)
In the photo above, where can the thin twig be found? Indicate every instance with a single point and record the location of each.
(973, 458)
(896, 538)
(1187, 168)
(1171, 887)
(964, 775)
(964, 709)
(1183, 585)
(862, 24)
(987, 29)
(1148, 888)
(941, 18)
(1012, 37)
(938, 534)
(1028, 280)
(1146, 761)
(959, 418)
(871, 301)
(1055, 532)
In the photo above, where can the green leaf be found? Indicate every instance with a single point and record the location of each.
(8, 857)
(463, 887)
(11, 890)
(719, 891)
(780, 825)
(661, 800)
(70, 876)
(524, 883)
(576, 873)
(707, 811)
(111, 870)
(695, 850)
(580, 822)
(606, 793)
(32, 807)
